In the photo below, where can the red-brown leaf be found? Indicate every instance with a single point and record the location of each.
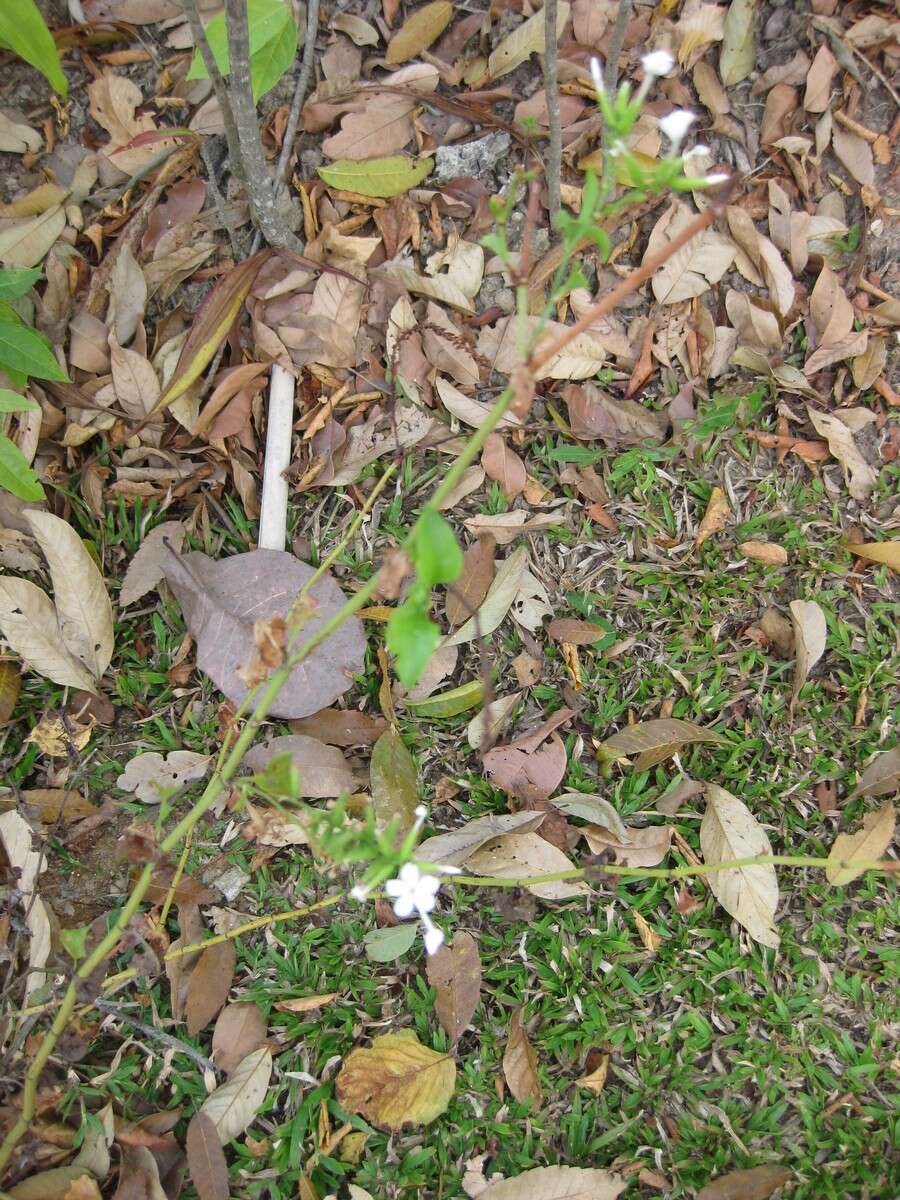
(206, 1159)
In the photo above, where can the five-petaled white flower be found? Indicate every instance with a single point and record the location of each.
(658, 63)
(675, 126)
(413, 892)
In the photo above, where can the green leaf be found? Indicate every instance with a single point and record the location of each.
(24, 30)
(273, 43)
(450, 703)
(17, 281)
(395, 783)
(28, 351)
(412, 636)
(16, 475)
(382, 177)
(435, 551)
(74, 941)
(12, 402)
(384, 945)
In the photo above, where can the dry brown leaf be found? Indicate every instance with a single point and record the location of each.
(113, 101)
(700, 25)
(578, 633)
(525, 40)
(341, 727)
(590, 19)
(16, 838)
(593, 413)
(504, 466)
(856, 155)
(880, 776)
(150, 776)
(756, 1183)
(521, 855)
(557, 1183)
(596, 1081)
(580, 359)
(520, 1063)
(417, 33)
(718, 510)
(239, 1030)
(694, 268)
(396, 1081)
(868, 844)
(323, 770)
(644, 847)
(28, 621)
(466, 596)
(382, 127)
(818, 81)
(648, 935)
(233, 1105)
(454, 972)
(305, 1004)
(146, 570)
(206, 1160)
(209, 985)
(458, 846)
(810, 639)
(859, 476)
(765, 552)
(729, 832)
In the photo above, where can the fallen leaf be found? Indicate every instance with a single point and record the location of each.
(522, 855)
(83, 607)
(694, 268)
(810, 639)
(419, 31)
(146, 568)
(466, 595)
(520, 1063)
(818, 81)
(222, 599)
(657, 740)
(577, 633)
(756, 1183)
(16, 839)
(503, 465)
(531, 775)
(484, 729)
(379, 177)
(206, 1160)
(591, 808)
(233, 1105)
(389, 943)
(526, 39)
(714, 520)
(26, 243)
(209, 985)
(729, 832)
(880, 552)
(394, 783)
(454, 972)
(648, 935)
(880, 776)
(595, 1081)
(497, 602)
(384, 126)
(856, 155)
(769, 553)
(239, 1030)
(868, 844)
(737, 57)
(558, 1183)
(341, 727)
(506, 527)
(151, 777)
(57, 1184)
(396, 1081)
(323, 771)
(458, 846)
(671, 801)
(644, 847)
(28, 622)
(305, 1004)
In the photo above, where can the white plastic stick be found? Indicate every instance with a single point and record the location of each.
(273, 514)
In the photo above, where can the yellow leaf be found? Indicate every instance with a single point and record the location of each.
(867, 844)
(651, 939)
(765, 552)
(596, 1081)
(880, 552)
(419, 31)
(381, 177)
(526, 39)
(717, 513)
(396, 1081)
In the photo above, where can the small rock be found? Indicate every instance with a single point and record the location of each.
(471, 158)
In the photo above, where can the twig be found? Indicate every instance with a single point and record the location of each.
(218, 198)
(255, 176)
(215, 77)
(303, 81)
(551, 91)
(158, 1035)
(616, 42)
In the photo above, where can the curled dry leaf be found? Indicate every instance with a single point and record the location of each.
(484, 729)
(458, 847)
(860, 477)
(729, 832)
(454, 972)
(233, 1105)
(717, 513)
(810, 638)
(594, 809)
(500, 595)
(222, 600)
(645, 847)
(769, 553)
(396, 1081)
(520, 1063)
(146, 568)
(868, 844)
(657, 740)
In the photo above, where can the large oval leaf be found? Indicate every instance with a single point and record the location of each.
(233, 1106)
(382, 177)
(750, 894)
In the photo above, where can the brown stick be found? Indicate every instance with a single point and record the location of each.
(628, 285)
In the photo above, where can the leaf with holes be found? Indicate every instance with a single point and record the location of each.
(396, 1081)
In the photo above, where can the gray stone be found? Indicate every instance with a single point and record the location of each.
(470, 158)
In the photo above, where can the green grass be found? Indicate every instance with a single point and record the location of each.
(723, 1055)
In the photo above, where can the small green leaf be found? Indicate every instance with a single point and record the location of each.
(12, 402)
(451, 703)
(394, 781)
(412, 637)
(74, 941)
(382, 177)
(26, 350)
(435, 550)
(17, 281)
(24, 30)
(269, 21)
(384, 945)
(16, 475)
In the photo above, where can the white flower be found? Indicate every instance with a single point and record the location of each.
(658, 62)
(597, 76)
(675, 126)
(413, 892)
(696, 152)
(718, 177)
